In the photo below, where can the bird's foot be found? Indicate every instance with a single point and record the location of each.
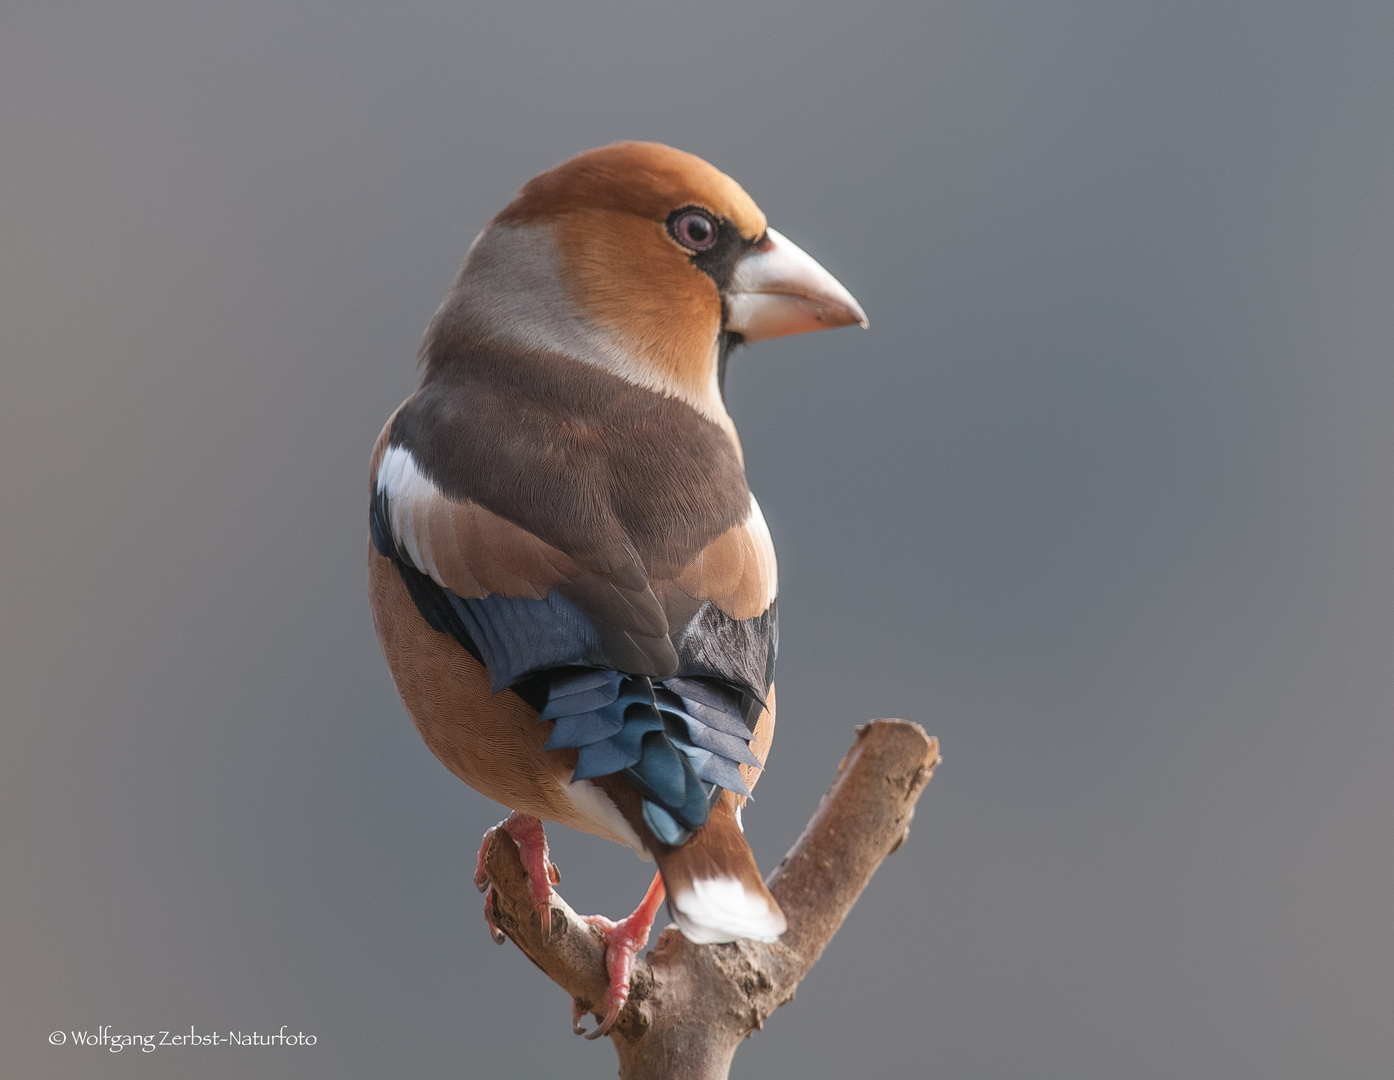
(623, 942)
(525, 831)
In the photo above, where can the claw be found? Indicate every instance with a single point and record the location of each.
(578, 1013)
(494, 931)
(608, 1022)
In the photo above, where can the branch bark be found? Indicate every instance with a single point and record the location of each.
(691, 1005)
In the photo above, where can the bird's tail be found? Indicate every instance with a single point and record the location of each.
(714, 887)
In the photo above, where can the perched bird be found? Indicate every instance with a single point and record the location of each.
(572, 584)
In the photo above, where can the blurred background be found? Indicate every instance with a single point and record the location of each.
(1103, 499)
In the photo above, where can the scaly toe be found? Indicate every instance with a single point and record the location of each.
(481, 872)
(623, 940)
(528, 834)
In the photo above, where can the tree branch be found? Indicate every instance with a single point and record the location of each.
(691, 1005)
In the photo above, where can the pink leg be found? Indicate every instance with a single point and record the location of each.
(623, 941)
(525, 831)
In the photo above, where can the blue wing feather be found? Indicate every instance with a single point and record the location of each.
(678, 740)
(585, 728)
(518, 636)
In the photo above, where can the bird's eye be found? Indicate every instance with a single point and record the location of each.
(695, 231)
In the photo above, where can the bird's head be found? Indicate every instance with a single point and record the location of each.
(645, 260)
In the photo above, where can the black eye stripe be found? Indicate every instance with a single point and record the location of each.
(719, 257)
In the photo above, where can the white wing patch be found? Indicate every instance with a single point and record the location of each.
(460, 545)
(764, 548)
(410, 496)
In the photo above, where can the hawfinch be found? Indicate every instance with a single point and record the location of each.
(572, 583)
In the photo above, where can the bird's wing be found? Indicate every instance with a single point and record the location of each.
(550, 515)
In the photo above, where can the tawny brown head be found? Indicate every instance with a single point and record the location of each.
(648, 261)
(638, 180)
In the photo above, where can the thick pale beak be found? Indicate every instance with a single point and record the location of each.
(779, 289)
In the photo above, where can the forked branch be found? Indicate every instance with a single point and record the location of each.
(691, 1005)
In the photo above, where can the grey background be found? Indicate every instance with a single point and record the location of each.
(1103, 499)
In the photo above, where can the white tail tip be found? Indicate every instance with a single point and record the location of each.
(716, 910)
